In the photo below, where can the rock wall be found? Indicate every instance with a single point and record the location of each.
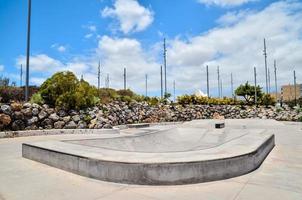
(33, 116)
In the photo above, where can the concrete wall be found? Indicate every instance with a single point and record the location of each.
(152, 173)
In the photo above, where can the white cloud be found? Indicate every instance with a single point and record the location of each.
(37, 80)
(45, 66)
(78, 67)
(92, 28)
(59, 48)
(118, 53)
(89, 35)
(41, 63)
(237, 47)
(132, 16)
(1, 68)
(225, 3)
(231, 18)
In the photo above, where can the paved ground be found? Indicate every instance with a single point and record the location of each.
(279, 177)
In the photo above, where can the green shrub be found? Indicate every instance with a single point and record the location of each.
(107, 95)
(247, 91)
(153, 101)
(37, 98)
(293, 103)
(278, 110)
(199, 100)
(125, 99)
(64, 90)
(268, 100)
(127, 92)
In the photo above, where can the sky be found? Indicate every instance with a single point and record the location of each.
(75, 34)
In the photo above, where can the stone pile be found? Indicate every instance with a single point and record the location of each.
(29, 116)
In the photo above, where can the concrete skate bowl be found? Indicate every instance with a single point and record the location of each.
(159, 155)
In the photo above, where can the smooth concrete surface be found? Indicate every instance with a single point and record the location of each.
(279, 176)
(163, 155)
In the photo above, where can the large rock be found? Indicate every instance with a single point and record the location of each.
(16, 106)
(59, 124)
(107, 126)
(32, 127)
(76, 118)
(6, 109)
(5, 120)
(71, 125)
(92, 123)
(73, 112)
(32, 121)
(35, 111)
(18, 125)
(27, 112)
(54, 117)
(34, 105)
(42, 114)
(27, 105)
(50, 110)
(62, 113)
(66, 119)
(82, 125)
(18, 115)
(46, 123)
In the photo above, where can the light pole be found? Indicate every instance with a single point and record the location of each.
(21, 75)
(125, 78)
(265, 64)
(218, 81)
(255, 78)
(161, 81)
(146, 76)
(27, 51)
(208, 87)
(174, 91)
(276, 86)
(295, 87)
(165, 65)
(232, 86)
(99, 75)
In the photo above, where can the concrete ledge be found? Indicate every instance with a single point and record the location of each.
(145, 125)
(12, 134)
(232, 159)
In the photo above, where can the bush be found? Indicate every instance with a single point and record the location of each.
(37, 98)
(64, 90)
(247, 91)
(293, 103)
(107, 95)
(127, 92)
(199, 100)
(153, 101)
(9, 93)
(268, 100)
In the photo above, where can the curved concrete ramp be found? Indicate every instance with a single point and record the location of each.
(179, 154)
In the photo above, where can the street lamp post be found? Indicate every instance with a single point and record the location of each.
(27, 51)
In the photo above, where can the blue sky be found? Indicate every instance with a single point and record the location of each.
(75, 34)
